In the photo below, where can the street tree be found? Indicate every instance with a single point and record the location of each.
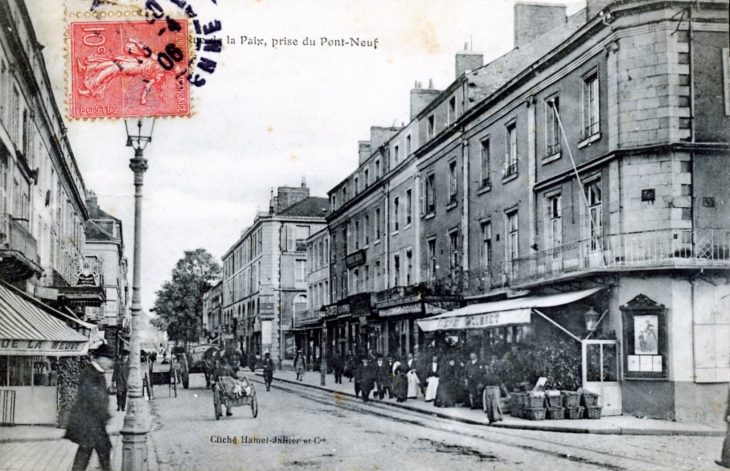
(179, 304)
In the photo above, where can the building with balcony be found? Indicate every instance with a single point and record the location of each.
(42, 238)
(574, 188)
(105, 240)
(265, 274)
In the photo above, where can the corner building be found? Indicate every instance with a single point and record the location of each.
(265, 275)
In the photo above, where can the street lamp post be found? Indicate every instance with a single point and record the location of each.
(137, 420)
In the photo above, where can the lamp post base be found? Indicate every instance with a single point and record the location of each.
(134, 452)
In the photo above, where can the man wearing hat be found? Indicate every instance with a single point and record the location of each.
(382, 379)
(119, 379)
(365, 379)
(268, 370)
(299, 365)
(90, 413)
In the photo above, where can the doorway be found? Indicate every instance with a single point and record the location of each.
(601, 374)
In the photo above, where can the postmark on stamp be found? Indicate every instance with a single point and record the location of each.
(127, 68)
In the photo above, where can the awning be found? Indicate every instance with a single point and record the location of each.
(25, 330)
(499, 313)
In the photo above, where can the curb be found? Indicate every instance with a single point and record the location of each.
(528, 426)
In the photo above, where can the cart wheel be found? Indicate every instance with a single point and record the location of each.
(217, 404)
(254, 406)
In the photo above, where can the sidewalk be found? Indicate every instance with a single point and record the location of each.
(620, 425)
(38, 447)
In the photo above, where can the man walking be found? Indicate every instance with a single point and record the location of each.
(90, 413)
(119, 380)
(337, 367)
(268, 365)
(382, 379)
(299, 365)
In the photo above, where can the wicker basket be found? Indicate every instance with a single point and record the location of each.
(572, 399)
(593, 412)
(556, 413)
(555, 401)
(534, 402)
(589, 399)
(574, 413)
(535, 413)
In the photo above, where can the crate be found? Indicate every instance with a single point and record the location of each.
(556, 413)
(571, 398)
(574, 413)
(593, 412)
(535, 413)
(589, 399)
(534, 402)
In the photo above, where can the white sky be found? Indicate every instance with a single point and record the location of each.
(267, 117)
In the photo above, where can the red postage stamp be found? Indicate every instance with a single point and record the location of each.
(122, 69)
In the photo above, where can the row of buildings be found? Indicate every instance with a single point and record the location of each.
(63, 273)
(574, 188)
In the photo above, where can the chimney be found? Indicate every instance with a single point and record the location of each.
(468, 60)
(420, 98)
(92, 204)
(532, 20)
(594, 7)
(380, 136)
(288, 196)
(304, 181)
(363, 151)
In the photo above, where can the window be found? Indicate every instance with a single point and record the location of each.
(334, 244)
(345, 238)
(552, 127)
(14, 115)
(301, 234)
(453, 253)
(595, 215)
(356, 281)
(327, 250)
(377, 275)
(510, 156)
(512, 236)
(367, 177)
(344, 194)
(430, 130)
(486, 248)
(591, 120)
(554, 225)
(396, 204)
(408, 145)
(377, 168)
(356, 182)
(427, 195)
(409, 267)
(333, 287)
(366, 229)
(396, 270)
(396, 152)
(326, 293)
(376, 235)
(357, 235)
(452, 110)
(453, 183)
(409, 207)
(366, 270)
(486, 167)
(321, 253)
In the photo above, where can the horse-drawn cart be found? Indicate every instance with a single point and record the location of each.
(225, 395)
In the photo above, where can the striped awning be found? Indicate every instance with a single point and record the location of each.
(26, 330)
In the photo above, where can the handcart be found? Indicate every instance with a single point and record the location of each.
(166, 374)
(223, 396)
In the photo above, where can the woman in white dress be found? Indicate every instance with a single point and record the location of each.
(432, 378)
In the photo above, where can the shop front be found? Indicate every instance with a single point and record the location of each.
(557, 336)
(31, 343)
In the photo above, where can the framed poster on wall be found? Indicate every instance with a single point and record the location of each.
(645, 339)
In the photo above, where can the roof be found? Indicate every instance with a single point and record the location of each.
(94, 232)
(310, 207)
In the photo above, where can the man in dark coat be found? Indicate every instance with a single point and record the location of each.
(473, 372)
(725, 456)
(119, 380)
(268, 365)
(89, 414)
(337, 367)
(382, 379)
(365, 379)
(224, 369)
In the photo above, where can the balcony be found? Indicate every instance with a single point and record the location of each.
(669, 248)
(18, 250)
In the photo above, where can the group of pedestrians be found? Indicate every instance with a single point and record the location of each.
(445, 384)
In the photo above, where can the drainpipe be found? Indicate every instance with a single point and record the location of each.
(465, 210)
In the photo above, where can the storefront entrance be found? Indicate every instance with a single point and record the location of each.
(601, 373)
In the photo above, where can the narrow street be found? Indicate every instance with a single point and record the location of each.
(348, 434)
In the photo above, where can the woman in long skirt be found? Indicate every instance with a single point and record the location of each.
(400, 383)
(432, 378)
(448, 385)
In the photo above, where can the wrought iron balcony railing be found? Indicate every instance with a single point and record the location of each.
(14, 236)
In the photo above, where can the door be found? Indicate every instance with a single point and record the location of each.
(601, 373)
